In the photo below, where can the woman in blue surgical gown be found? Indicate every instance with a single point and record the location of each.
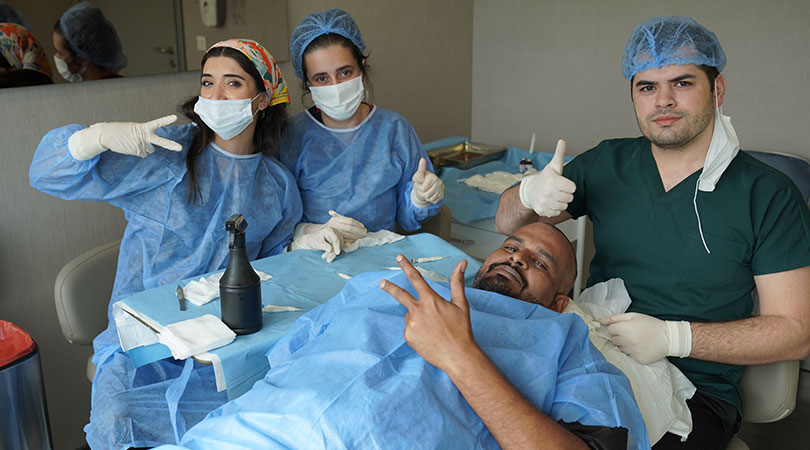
(348, 156)
(177, 186)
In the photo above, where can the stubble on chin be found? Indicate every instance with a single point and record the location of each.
(668, 139)
(498, 285)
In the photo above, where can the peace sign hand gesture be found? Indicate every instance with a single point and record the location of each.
(438, 330)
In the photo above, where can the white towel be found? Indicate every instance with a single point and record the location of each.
(207, 288)
(194, 336)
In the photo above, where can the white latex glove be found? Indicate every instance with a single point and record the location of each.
(129, 138)
(548, 193)
(427, 187)
(311, 236)
(647, 339)
(349, 229)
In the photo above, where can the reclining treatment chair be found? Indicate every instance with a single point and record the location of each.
(82, 292)
(769, 390)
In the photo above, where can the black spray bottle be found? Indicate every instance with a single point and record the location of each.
(240, 287)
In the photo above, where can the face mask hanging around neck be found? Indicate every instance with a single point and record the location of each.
(724, 147)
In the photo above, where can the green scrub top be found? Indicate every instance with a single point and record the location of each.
(754, 222)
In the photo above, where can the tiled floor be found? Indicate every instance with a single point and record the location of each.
(791, 433)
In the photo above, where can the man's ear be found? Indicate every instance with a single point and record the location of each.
(720, 88)
(560, 302)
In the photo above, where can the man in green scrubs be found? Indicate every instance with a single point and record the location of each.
(690, 224)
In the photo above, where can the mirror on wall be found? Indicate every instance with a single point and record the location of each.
(164, 36)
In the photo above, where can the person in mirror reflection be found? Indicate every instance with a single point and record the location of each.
(9, 14)
(177, 185)
(691, 224)
(22, 60)
(351, 157)
(87, 45)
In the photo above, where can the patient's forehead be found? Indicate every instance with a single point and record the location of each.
(544, 235)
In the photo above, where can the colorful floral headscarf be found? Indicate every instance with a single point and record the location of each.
(22, 51)
(274, 83)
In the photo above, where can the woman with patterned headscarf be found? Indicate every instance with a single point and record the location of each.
(177, 186)
(22, 60)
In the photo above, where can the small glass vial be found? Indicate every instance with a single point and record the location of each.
(525, 165)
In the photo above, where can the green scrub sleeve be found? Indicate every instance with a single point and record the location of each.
(784, 232)
(577, 170)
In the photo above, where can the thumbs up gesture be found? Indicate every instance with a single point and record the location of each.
(427, 187)
(548, 193)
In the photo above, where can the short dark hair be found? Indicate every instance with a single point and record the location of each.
(710, 72)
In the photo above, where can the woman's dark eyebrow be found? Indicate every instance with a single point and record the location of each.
(229, 75)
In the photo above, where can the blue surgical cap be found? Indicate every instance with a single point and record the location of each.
(10, 15)
(335, 21)
(92, 36)
(671, 40)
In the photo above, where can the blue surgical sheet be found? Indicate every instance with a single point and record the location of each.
(300, 278)
(344, 377)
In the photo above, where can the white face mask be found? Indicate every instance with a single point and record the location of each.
(62, 68)
(227, 118)
(724, 147)
(339, 101)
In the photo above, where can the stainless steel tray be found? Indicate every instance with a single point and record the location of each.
(464, 155)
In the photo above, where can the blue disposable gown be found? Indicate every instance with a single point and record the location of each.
(166, 239)
(379, 393)
(362, 172)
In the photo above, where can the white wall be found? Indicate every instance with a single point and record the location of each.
(553, 67)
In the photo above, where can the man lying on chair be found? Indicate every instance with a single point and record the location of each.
(496, 365)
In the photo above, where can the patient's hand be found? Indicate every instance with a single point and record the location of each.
(439, 331)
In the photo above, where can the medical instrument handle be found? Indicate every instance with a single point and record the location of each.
(181, 298)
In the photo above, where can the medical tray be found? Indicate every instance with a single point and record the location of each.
(464, 155)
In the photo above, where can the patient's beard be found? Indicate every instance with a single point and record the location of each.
(499, 285)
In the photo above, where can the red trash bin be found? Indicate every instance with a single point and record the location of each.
(23, 412)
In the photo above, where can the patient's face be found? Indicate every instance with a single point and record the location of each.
(536, 264)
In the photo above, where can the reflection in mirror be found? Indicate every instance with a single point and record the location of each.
(148, 30)
(163, 36)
